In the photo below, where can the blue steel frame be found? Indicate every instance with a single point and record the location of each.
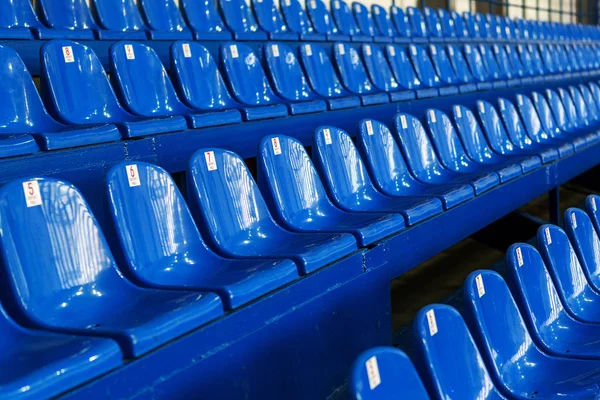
(297, 342)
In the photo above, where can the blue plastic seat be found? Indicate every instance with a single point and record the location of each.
(144, 88)
(461, 69)
(163, 248)
(387, 166)
(565, 267)
(445, 70)
(452, 155)
(249, 83)
(517, 365)
(18, 20)
(381, 75)
(289, 81)
(270, 20)
(199, 83)
(565, 122)
(323, 78)
(38, 364)
(297, 21)
(381, 373)
(354, 76)
(448, 358)
(518, 133)
(548, 63)
(234, 219)
(590, 102)
(495, 74)
(297, 197)
(504, 65)
(496, 136)
(592, 204)
(349, 185)
(531, 68)
(418, 27)
(471, 25)
(204, 19)
(402, 25)
(434, 26)
(477, 67)
(53, 250)
(240, 20)
(382, 24)
(323, 22)
(78, 92)
(426, 72)
(69, 19)
(586, 243)
(578, 111)
(477, 148)
(447, 25)
(423, 162)
(26, 116)
(553, 329)
(119, 20)
(404, 73)
(366, 24)
(516, 66)
(483, 27)
(537, 62)
(462, 32)
(344, 20)
(165, 20)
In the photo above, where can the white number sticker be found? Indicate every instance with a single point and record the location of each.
(336, 5)
(403, 121)
(341, 49)
(392, 51)
(433, 50)
(548, 238)
(519, 257)
(373, 372)
(187, 52)
(457, 112)
(234, 51)
(573, 220)
(275, 50)
(129, 53)
(313, 4)
(308, 50)
(481, 107)
(211, 162)
(413, 50)
(468, 49)
(451, 51)
(276, 146)
(433, 329)
(369, 125)
(432, 116)
(132, 175)
(480, 287)
(31, 189)
(594, 203)
(68, 54)
(368, 49)
(327, 135)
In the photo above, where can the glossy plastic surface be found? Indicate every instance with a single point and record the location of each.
(205, 20)
(515, 362)
(592, 203)
(322, 21)
(550, 325)
(471, 25)
(297, 20)
(403, 71)
(434, 26)
(163, 247)
(26, 114)
(515, 63)
(16, 19)
(382, 22)
(349, 185)
(38, 364)
(417, 22)
(344, 20)
(380, 73)
(271, 21)
(63, 276)
(586, 243)
(122, 16)
(73, 15)
(401, 22)
(459, 25)
(476, 64)
(448, 359)
(233, 216)
(459, 64)
(395, 374)
(548, 122)
(240, 20)
(447, 24)
(443, 67)
(165, 20)
(422, 65)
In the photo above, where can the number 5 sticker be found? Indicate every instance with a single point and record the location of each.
(132, 175)
(31, 189)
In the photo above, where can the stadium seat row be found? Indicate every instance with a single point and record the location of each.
(81, 107)
(234, 19)
(538, 339)
(180, 268)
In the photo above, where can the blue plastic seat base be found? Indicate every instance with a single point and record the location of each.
(403, 95)
(448, 90)
(530, 164)
(264, 112)
(337, 38)
(376, 98)
(313, 37)
(467, 88)
(565, 150)
(78, 136)
(402, 40)
(120, 35)
(419, 40)
(48, 34)
(499, 85)
(484, 86)
(250, 36)
(17, 145)
(436, 40)
(526, 81)
(307, 107)
(284, 36)
(210, 36)
(425, 93)
(170, 35)
(361, 39)
(383, 39)
(513, 82)
(216, 118)
(343, 102)
(16, 33)
(510, 172)
(154, 126)
(483, 183)
(455, 195)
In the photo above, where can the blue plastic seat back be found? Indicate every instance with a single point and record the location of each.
(417, 22)
(384, 159)
(422, 65)
(592, 203)
(446, 23)
(55, 253)
(268, 15)
(443, 67)
(383, 372)
(570, 56)
(17, 13)
(547, 59)
(459, 64)
(558, 110)
(471, 134)
(319, 71)
(511, 28)
(459, 25)
(126, 19)
(320, 17)
(502, 28)
(493, 27)
(514, 125)
(25, 113)
(482, 25)
(378, 68)
(592, 108)
(203, 16)
(247, 78)
(450, 360)
(523, 29)
(197, 77)
(238, 16)
(545, 115)
(154, 225)
(531, 119)
(529, 66)
(476, 63)
(79, 92)
(493, 127)
(471, 25)
(401, 23)
(352, 71)
(583, 115)
(515, 63)
(490, 62)
(364, 19)
(295, 17)
(286, 73)
(446, 141)
(163, 15)
(142, 81)
(344, 20)
(434, 26)
(382, 21)
(585, 241)
(536, 59)
(401, 66)
(66, 14)
(503, 62)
